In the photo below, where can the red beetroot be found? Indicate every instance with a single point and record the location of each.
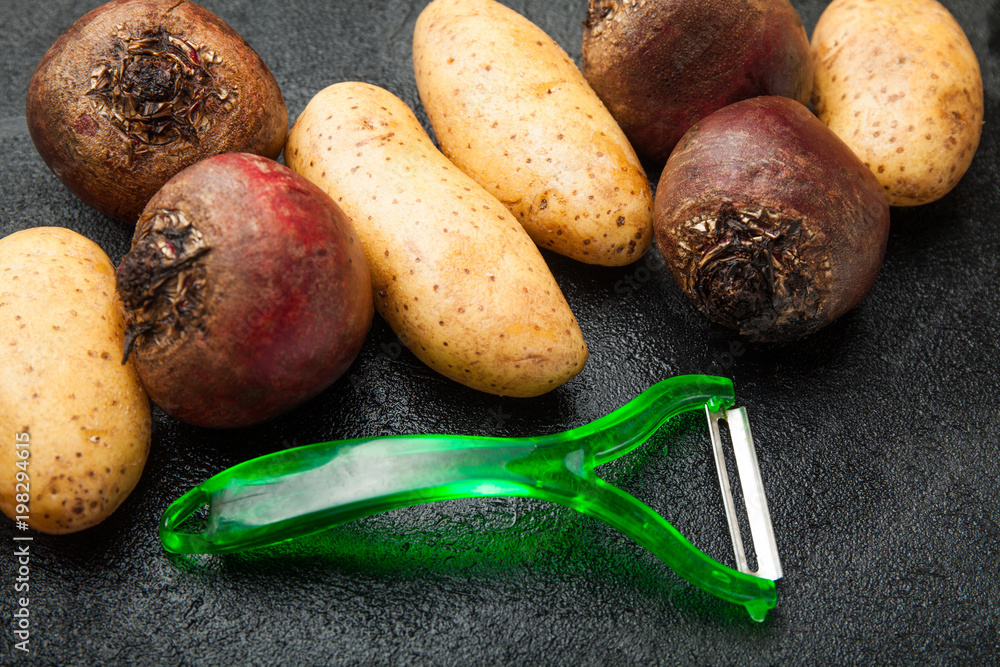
(662, 65)
(768, 222)
(136, 90)
(246, 292)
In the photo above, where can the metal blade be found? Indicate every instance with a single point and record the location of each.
(758, 516)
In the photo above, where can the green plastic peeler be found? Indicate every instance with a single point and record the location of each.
(305, 490)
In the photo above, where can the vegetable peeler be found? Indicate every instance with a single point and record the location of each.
(296, 492)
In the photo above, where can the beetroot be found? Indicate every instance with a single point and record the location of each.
(768, 222)
(661, 65)
(136, 90)
(246, 292)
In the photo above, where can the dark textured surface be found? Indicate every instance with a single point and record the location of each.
(878, 439)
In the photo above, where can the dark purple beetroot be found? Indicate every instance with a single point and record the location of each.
(662, 65)
(246, 292)
(136, 90)
(768, 222)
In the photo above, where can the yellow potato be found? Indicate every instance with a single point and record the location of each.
(513, 111)
(453, 273)
(898, 81)
(82, 417)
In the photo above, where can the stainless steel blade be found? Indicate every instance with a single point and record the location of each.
(748, 469)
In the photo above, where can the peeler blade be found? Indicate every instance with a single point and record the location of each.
(758, 516)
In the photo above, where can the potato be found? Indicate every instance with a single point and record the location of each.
(453, 273)
(513, 111)
(898, 81)
(67, 398)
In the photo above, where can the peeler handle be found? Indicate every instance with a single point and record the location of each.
(305, 490)
(626, 428)
(650, 530)
(297, 492)
(301, 491)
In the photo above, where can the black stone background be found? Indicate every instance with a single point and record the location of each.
(878, 440)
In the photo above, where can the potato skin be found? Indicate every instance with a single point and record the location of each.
(454, 274)
(511, 109)
(75, 117)
(86, 414)
(662, 65)
(898, 81)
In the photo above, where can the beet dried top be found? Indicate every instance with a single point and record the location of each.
(768, 222)
(136, 90)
